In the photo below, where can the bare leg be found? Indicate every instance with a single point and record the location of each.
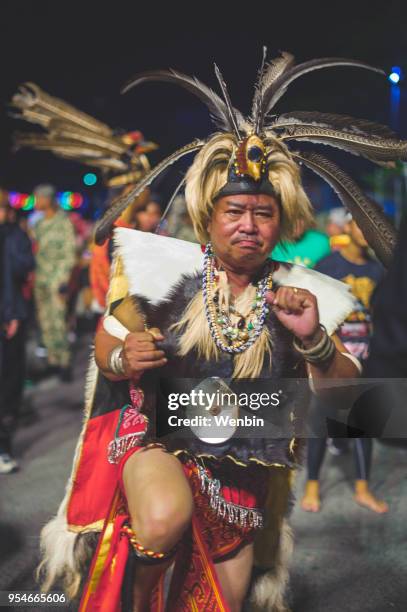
(160, 504)
(364, 497)
(311, 501)
(234, 576)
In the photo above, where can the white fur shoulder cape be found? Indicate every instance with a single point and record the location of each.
(153, 264)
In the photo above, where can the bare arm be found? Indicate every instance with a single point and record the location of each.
(104, 344)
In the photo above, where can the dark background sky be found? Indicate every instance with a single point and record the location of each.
(84, 51)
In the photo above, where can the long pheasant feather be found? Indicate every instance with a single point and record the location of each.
(105, 225)
(377, 230)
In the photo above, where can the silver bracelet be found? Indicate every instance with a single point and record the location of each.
(115, 361)
(321, 353)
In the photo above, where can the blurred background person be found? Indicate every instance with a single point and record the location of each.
(101, 255)
(79, 299)
(388, 351)
(310, 245)
(147, 218)
(354, 266)
(380, 412)
(335, 228)
(55, 258)
(16, 263)
(186, 229)
(178, 221)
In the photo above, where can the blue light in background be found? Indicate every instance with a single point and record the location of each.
(90, 179)
(395, 75)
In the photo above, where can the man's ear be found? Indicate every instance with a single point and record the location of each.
(209, 223)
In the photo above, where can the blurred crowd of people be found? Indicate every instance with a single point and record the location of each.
(52, 278)
(16, 265)
(52, 275)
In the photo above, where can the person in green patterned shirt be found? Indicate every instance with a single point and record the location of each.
(307, 249)
(55, 257)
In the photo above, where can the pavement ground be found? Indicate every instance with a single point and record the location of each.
(346, 558)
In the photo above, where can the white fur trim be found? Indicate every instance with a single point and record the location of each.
(57, 547)
(153, 265)
(269, 590)
(57, 542)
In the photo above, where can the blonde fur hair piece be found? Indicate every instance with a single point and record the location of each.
(208, 174)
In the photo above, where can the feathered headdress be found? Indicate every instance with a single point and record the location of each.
(72, 134)
(256, 133)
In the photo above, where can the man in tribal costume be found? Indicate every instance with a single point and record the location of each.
(208, 507)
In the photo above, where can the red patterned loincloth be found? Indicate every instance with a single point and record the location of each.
(211, 538)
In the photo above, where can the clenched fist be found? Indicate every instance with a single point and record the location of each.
(140, 352)
(297, 310)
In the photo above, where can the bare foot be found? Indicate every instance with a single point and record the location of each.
(311, 502)
(364, 497)
(368, 500)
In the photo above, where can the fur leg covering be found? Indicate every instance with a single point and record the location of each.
(58, 558)
(66, 554)
(269, 590)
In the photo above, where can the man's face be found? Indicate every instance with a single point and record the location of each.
(333, 229)
(356, 235)
(244, 229)
(43, 202)
(149, 218)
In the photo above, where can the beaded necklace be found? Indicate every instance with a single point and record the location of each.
(228, 337)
